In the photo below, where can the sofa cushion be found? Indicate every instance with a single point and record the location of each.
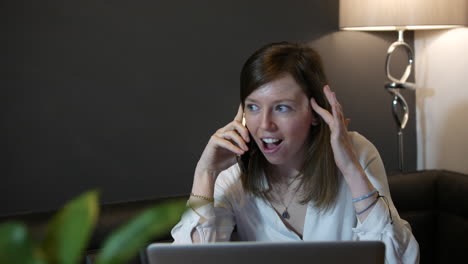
(434, 203)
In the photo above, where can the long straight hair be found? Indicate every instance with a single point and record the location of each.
(319, 173)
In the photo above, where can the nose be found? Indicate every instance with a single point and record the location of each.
(267, 122)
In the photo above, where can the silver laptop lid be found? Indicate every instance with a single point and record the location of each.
(362, 252)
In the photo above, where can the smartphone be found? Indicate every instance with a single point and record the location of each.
(244, 159)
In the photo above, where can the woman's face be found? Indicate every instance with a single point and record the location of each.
(279, 116)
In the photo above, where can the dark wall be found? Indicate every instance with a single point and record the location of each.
(123, 95)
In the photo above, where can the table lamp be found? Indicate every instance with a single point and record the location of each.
(401, 15)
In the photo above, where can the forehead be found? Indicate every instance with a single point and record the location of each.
(283, 88)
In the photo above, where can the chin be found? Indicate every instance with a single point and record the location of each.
(274, 160)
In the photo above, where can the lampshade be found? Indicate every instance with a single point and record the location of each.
(402, 14)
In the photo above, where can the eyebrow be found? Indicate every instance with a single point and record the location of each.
(275, 102)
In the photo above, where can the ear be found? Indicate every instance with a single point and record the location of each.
(314, 120)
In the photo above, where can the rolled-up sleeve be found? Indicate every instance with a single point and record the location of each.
(383, 222)
(214, 222)
(182, 232)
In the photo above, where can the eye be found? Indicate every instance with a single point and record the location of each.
(252, 107)
(282, 108)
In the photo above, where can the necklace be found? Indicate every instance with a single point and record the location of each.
(285, 213)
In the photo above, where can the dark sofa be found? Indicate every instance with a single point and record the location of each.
(434, 202)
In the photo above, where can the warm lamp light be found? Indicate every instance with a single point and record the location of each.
(401, 15)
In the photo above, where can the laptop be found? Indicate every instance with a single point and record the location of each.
(362, 252)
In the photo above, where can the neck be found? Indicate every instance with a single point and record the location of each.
(285, 184)
(291, 169)
(283, 174)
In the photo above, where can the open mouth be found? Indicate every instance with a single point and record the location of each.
(271, 144)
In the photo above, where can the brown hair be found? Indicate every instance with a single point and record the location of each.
(319, 172)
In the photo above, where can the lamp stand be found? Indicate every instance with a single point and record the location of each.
(399, 106)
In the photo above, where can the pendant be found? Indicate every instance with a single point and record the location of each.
(285, 214)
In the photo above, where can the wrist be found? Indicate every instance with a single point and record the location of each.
(200, 169)
(354, 172)
(358, 182)
(204, 181)
(196, 202)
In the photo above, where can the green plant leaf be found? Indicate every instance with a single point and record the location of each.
(125, 243)
(16, 246)
(70, 229)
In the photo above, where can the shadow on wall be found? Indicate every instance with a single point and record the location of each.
(453, 148)
(423, 93)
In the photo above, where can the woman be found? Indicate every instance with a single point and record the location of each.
(293, 171)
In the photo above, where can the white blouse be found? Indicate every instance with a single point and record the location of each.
(256, 220)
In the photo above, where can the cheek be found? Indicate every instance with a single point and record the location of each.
(300, 127)
(250, 123)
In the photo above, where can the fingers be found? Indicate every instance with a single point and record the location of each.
(239, 128)
(233, 137)
(226, 144)
(240, 114)
(346, 122)
(321, 111)
(236, 133)
(329, 94)
(337, 111)
(331, 97)
(241, 119)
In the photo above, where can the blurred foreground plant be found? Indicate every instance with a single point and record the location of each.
(69, 231)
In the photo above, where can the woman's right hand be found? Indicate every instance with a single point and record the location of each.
(223, 147)
(219, 154)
